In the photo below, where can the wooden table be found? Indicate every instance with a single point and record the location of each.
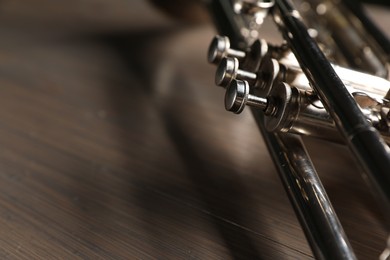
(115, 144)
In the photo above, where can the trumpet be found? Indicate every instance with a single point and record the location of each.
(328, 79)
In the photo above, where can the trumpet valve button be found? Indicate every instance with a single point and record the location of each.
(226, 71)
(236, 96)
(218, 49)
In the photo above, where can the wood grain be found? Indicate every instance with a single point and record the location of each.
(115, 145)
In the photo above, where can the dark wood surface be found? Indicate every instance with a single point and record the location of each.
(114, 143)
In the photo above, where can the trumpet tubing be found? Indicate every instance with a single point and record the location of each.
(329, 79)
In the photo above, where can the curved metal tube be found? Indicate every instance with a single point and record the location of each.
(320, 224)
(364, 141)
(324, 233)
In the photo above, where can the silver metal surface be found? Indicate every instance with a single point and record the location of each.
(228, 70)
(269, 73)
(341, 31)
(288, 109)
(256, 8)
(325, 100)
(386, 253)
(306, 180)
(237, 97)
(220, 48)
(313, 120)
(362, 139)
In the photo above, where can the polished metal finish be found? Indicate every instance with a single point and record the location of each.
(288, 70)
(299, 110)
(269, 71)
(255, 54)
(252, 7)
(323, 220)
(237, 97)
(220, 48)
(228, 70)
(286, 109)
(312, 206)
(353, 80)
(362, 82)
(256, 8)
(325, 100)
(386, 253)
(363, 140)
(359, 49)
(357, 10)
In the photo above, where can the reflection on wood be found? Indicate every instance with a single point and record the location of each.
(115, 144)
